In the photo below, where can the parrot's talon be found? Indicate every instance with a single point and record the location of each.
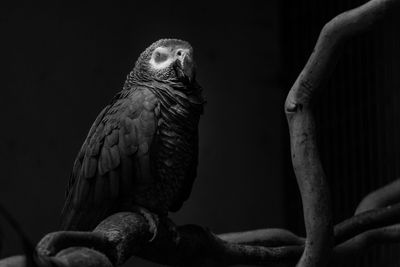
(172, 228)
(151, 218)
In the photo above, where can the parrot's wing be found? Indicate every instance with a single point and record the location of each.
(105, 170)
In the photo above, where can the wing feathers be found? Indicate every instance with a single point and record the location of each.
(105, 161)
(108, 158)
(114, 183)
(89, 167)
(82, 193)
(112, 138)
(102, 190)
(127, 172)
(114, 157)
(131, 136)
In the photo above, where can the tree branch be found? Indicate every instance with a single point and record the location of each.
(382, 197)
(125, 234)
(306, 162)
(367, 220)
(272, 237)
(360, 243)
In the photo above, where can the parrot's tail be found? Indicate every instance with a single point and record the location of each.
(73, 220)
(66, 216)
(80, 219)
(83, 217)
(66, 222)
(70, 218)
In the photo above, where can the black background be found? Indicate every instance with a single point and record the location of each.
(60, 64)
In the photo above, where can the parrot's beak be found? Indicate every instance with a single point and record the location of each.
(188, 67)
(186, 64)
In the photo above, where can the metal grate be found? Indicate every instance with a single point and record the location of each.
(358, 117)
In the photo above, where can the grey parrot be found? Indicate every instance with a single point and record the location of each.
(142, 149)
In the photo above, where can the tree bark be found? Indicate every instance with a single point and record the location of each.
(310, 176)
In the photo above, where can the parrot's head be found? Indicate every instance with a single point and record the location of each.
(166, 60)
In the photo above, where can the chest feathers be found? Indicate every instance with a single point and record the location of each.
(174, 151)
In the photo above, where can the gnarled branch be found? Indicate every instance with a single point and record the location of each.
(306, 162)
(125, 234)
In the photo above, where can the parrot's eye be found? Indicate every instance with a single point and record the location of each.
(160, 57)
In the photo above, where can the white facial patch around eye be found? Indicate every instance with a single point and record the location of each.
(158, 65)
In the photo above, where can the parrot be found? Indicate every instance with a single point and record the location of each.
(141, 153)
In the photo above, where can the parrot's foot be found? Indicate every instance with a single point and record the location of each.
(172, 228)
(151, 218)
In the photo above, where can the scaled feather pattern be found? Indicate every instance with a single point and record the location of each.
(142, 149)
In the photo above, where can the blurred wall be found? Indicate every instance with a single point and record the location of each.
(61, 64)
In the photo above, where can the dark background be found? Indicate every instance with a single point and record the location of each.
(60, 64)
